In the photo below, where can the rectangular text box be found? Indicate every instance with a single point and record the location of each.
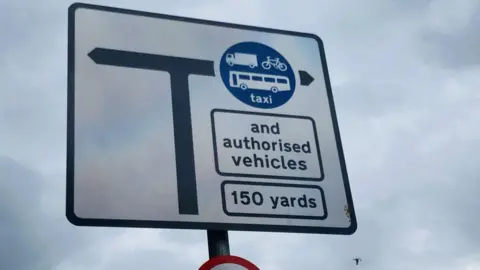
(272, 200)
(263, 145)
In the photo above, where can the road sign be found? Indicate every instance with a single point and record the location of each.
(228, 263)
(183, 123)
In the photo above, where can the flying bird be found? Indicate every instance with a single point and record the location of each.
(357, 260)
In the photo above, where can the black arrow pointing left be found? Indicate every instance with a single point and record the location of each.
(179, 68)
(173, 65)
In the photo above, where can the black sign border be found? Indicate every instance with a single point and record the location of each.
(75, 220)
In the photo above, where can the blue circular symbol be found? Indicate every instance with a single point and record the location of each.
(257, 75)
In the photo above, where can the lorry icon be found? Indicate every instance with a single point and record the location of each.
(242, 59)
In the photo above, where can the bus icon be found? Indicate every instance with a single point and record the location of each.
(257, 81)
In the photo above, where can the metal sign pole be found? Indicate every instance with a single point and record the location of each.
(218, 243)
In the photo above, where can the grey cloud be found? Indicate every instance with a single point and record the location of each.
(411, 148)
(32, 236)
(18, 203)
(148, 260)
(457, 48)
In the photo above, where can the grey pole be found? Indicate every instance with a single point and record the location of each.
(218, 243)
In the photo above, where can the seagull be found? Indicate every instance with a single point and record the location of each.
(357, 260)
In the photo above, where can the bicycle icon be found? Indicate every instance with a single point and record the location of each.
(275, 62)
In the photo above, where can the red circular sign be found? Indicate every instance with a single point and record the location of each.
(220, 260)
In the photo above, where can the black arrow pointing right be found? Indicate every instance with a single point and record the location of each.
(305, 78)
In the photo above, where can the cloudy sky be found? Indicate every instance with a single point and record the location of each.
(406, 82)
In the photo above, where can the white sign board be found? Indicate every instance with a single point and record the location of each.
(184, 123)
